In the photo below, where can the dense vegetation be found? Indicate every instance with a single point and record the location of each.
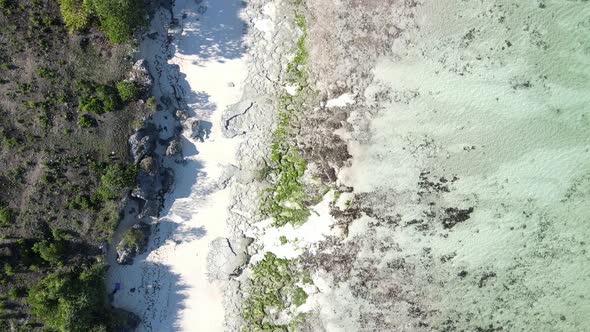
(67, 111)
(71, 301)
(116, 18)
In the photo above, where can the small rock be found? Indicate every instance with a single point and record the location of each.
(181, 115)
(174, 148)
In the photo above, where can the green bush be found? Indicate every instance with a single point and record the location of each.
(108, 219)
(117, 18)
(5, 4)
(127, 90)
(50, 251)
(75, 13)
(81, 202)
(151, 102)
(5, 216)
(133, 239)
(96, 98)
(17, 292)
(86, 121)
(44, 72)
(72, 302)
(8, 269)
(115, 180)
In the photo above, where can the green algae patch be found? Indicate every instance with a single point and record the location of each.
(272, 290)
(285, 200)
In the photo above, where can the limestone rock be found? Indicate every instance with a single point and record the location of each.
(140, 75)
(141, 144)
(174, 148)
(181, 115)
(233, 121)
(226, 257)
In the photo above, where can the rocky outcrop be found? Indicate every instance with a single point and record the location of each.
(142, 143)
(133, 242)
(233, 122)
(153, 181)
(140, 74)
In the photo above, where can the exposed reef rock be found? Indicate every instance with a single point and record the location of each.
(226, 258)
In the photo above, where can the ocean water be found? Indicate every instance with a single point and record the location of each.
(481, 144)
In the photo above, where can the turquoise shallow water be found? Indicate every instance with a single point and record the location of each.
(482, 147)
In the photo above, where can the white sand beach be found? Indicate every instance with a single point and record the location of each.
(168, 286)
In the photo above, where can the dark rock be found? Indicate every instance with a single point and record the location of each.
(141, 144)
(455, 216)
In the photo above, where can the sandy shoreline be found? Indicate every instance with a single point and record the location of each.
(168, 286)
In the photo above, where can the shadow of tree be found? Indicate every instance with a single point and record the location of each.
(218, 37)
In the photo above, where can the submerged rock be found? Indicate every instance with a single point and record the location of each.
(133, 242)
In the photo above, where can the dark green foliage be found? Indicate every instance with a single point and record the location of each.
(86, 121)
(133, 239)
(97, 98)
(116, 18)
(8, 269)
(6, 216)
(9, 142)
(127, 90)
(51, 251)
(151, 102)
(115, 180)
(119, 18)
(71, 301)
(82, 202)
(108, 219)
(75, 13)
(17, 292)
(5, 3)
(44, 72)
